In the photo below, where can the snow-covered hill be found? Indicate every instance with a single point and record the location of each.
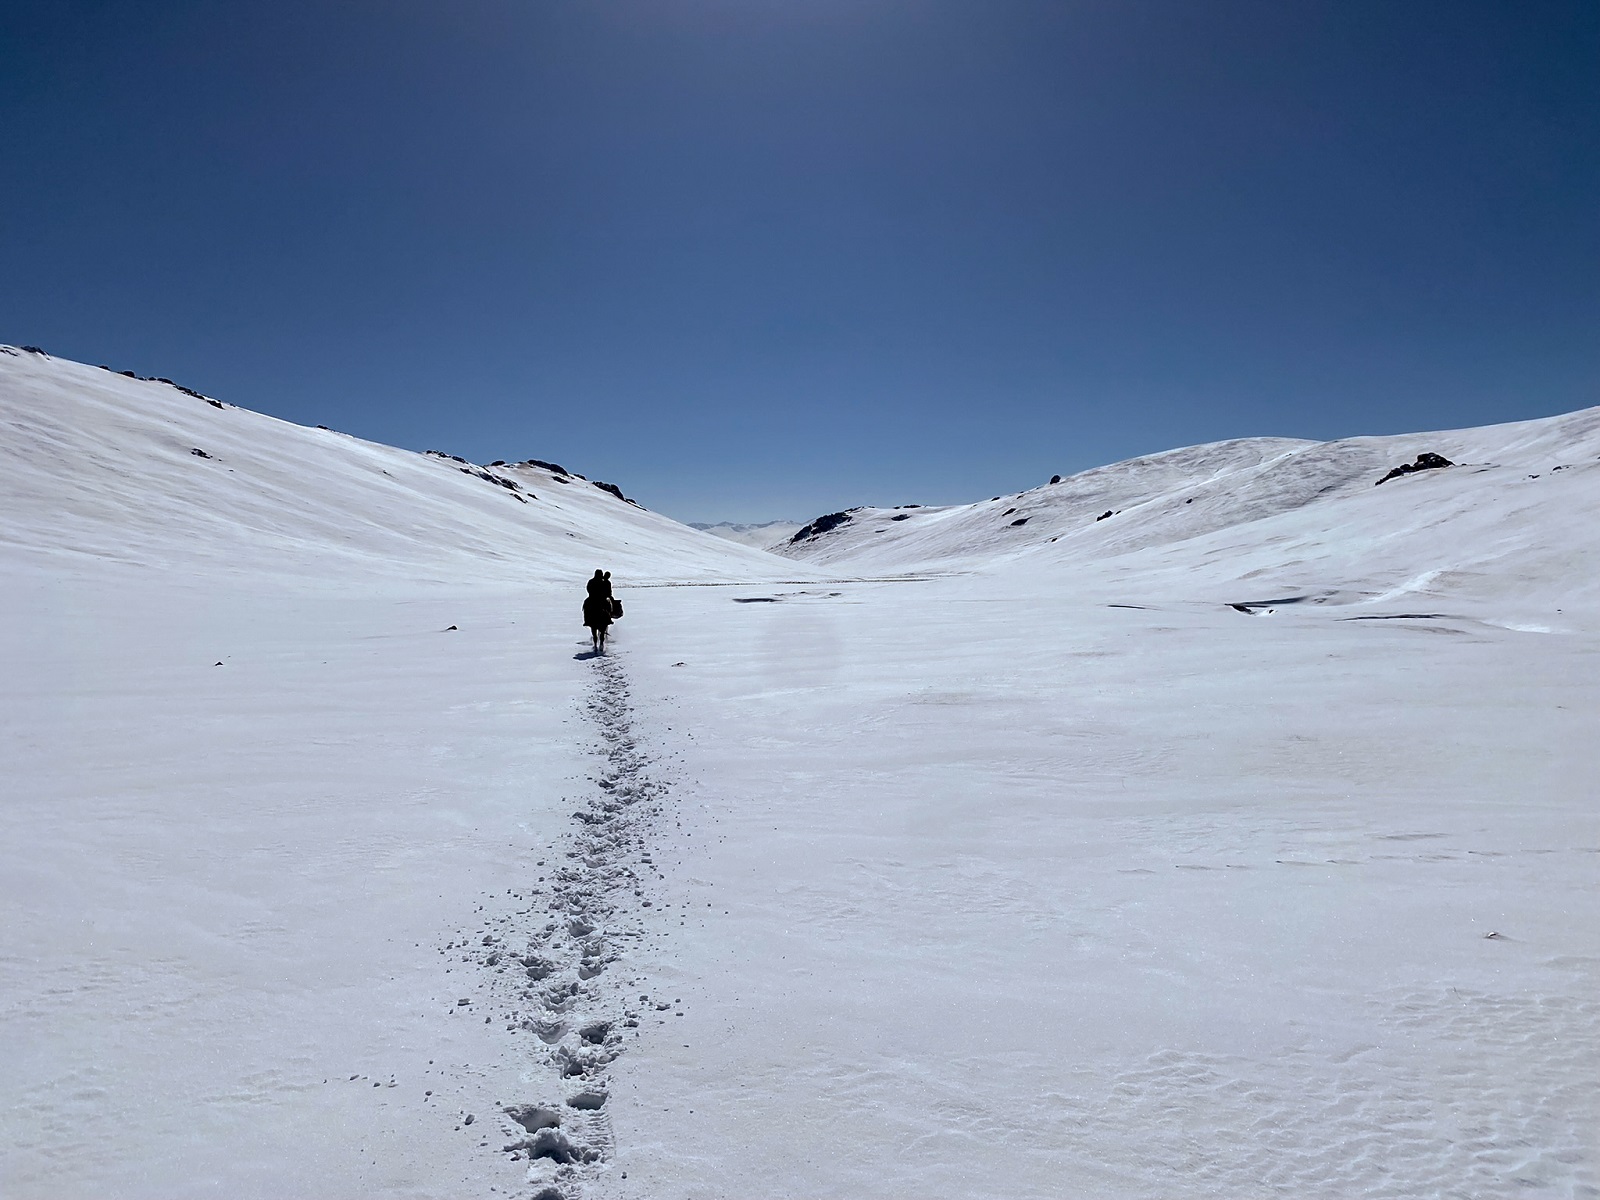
(1518, 504)
(94, 464)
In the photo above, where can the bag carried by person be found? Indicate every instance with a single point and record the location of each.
(616, 608)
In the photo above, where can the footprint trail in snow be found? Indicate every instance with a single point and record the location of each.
(565, 986)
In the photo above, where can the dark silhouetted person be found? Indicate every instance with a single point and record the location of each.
(598, 609)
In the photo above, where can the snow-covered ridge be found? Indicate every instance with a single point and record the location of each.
(1518, 499)
(100, 464)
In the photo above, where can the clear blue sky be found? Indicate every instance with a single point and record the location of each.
(763, 258)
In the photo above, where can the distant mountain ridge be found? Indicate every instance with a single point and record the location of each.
(764, 535)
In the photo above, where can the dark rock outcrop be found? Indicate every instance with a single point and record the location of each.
(1425, 462)
(511, 485)
(821, 525)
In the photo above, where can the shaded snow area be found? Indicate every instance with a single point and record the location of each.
(1241, 847)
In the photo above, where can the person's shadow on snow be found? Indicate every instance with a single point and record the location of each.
(586, 654)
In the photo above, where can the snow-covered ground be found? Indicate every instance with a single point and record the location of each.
(1230, 848)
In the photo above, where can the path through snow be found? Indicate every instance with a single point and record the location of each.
(561, 973)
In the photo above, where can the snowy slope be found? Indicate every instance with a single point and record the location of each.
(1519, 504)
(1230, 848)
(95, 464)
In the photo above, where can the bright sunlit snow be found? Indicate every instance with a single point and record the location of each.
(1242, 842)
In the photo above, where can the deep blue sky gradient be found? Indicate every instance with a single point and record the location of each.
(753, 259)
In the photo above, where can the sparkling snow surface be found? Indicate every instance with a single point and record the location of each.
(976, 863)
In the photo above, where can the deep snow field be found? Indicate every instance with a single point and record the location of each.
(1243, 843)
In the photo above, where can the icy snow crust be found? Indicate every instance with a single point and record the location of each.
(1230, 848)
